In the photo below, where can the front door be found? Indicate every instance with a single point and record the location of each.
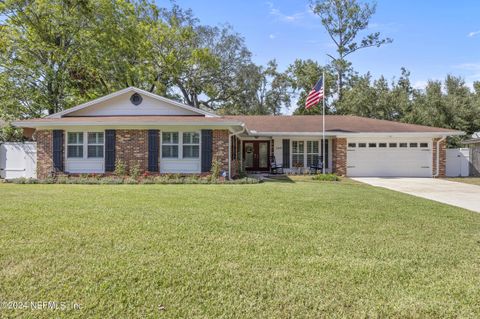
(256, 155)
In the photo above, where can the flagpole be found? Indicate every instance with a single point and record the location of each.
(323, 122)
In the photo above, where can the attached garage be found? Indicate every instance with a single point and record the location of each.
(389, 158)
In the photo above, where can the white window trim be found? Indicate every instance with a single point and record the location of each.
(191, 144)
(180, 146)
(95, 144)
(292, 153)
(305, 150)
(162, 143)
(307, 153)
(74, 144)
(85, 147)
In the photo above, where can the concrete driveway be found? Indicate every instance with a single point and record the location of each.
(447, 192)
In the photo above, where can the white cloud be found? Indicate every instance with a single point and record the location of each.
(473, 70)
(272, 36)
(282, 16)
(420, 85)
(473, 34)
(304, 17)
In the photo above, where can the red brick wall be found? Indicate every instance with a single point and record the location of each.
(44, 139)
(443, 157)
(339, 156)
(131, 147)
(220, 147)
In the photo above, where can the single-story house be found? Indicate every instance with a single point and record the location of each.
(474, 146)
(164, 136)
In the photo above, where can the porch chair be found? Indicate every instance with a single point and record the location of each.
(318, 166)
(274, 167)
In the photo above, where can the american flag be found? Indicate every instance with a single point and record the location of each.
(315, 95)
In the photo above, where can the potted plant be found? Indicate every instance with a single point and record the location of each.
(298, 167)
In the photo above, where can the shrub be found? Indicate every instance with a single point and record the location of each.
(116, 180)
(120, 169)
(216, 167)
(130, 180)
(111, 180)
(326, 178)
(23, 180)
(135, 171)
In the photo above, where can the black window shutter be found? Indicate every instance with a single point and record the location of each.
(58, 150)
(110, 150)
(286, 153)
(207, 150)
(153, 150)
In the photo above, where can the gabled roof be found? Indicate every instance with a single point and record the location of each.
(273, 125)
(127, 90)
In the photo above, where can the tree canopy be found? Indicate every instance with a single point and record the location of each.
(55, 54)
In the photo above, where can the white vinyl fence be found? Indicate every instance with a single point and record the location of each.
(18, 160)
(458, 162)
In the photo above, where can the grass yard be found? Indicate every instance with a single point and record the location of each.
(467, 180)
(274, 250)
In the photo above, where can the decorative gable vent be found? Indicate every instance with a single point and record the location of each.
(136, 99)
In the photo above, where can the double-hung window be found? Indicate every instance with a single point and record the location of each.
(169, 144)
(312, 153)
(191, 145)
(298, 150)
(78, 142)
(95, 145)
(75, 145)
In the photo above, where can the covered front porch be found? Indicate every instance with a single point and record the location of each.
(295, 154)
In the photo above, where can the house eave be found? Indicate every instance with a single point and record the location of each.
(357, 134)
(51, 124)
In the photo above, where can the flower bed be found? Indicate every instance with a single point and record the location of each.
(92, 179)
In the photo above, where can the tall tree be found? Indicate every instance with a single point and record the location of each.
(262, 90)
(344, 20)
(200, 61)
(38, 43)
(302, 75)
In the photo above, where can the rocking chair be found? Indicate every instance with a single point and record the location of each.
(274, 167)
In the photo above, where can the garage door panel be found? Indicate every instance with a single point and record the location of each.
(391, 162)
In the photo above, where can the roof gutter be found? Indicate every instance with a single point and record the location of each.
(357, 134)
(47, 124)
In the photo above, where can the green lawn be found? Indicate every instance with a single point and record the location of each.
(271, 250)
(467, 180)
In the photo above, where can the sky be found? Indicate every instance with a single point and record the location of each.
(432, 38)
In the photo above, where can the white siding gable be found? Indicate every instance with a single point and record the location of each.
(121, 105)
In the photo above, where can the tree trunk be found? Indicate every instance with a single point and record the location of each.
(340, 85)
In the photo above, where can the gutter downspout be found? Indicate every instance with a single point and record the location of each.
(437, 173)
(230, 150)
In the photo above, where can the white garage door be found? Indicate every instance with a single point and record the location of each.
(389, 159)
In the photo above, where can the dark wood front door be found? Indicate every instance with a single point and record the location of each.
(256, 155)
